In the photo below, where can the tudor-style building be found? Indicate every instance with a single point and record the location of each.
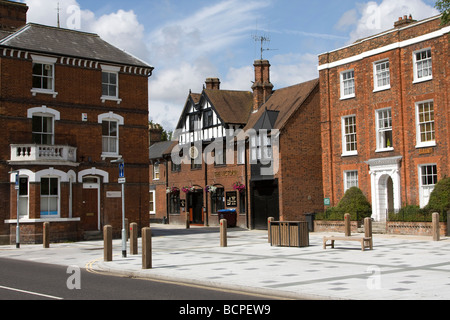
(70, 103)
(256, 152)
(385, 115)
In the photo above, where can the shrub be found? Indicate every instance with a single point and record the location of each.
(353, 202)
(440, 198)
(410, 213)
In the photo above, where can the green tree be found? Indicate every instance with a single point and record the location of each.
(444, 7)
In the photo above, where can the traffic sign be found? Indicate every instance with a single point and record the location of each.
(121, 170)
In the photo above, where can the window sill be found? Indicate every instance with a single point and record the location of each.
(43, 91)
(381, 89)
(115, 99)
(110, 155)
(348, 97)
(384, 150)
(422, 80)
(426, 145)
(41, 220)
(349, 154)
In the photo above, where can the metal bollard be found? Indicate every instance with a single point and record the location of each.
(46, 235)
(348, 226)
(133, 238)
(436, 227)
(107, 246)
(223, 233)
(146, 248)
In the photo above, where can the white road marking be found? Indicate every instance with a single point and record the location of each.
(31, 293)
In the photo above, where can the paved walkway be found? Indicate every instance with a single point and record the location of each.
(399, 267)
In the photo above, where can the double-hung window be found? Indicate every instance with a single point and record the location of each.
(425, 124)
(156, 174)
(42, 130)
(348, 84)
(349, 137)
(49, 197)
(43, 75)
(23, 197)
(428, 180)
(423, 65)
(110, 135)
(384, 130)
(110, 83)
(350, 180)
(382, 75)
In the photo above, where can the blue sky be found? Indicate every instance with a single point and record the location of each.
(188, 41)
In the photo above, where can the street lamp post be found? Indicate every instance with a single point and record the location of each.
(17, 173)
(122, 181)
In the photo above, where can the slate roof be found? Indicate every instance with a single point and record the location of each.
(159, 149)
(51, 40)
(283, 103)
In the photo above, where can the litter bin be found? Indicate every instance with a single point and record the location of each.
(310, 217)
(230, 215)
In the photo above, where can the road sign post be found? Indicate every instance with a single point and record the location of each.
(122, 181)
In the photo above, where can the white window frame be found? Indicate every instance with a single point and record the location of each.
(111, 70)
(343, 84)
(419, 142)
(380, 131)
(156, 172)
(416, 68)
(45, 61)
(345, 151)
(120, 122)
(425, 190)
(349, 179)
(378, 75)
(24, 198)
(57, 197)
(152, 195)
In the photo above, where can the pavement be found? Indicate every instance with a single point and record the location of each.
(398, 268)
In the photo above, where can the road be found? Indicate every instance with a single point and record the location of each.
(20, 280)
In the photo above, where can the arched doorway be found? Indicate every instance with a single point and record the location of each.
(386, 196)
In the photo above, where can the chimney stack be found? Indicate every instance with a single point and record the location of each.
(213, 84)
(403, 21)
(13, 15)
(262, 88)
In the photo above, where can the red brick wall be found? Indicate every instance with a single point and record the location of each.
(79, 91)
(300, 175)
(401, 98)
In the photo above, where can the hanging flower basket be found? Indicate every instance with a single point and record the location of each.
(239, 187)
(173, 190)
(188, 189)
(211, 189)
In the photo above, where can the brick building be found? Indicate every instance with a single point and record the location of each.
(385, 115)
(275, 143)
(70, 103)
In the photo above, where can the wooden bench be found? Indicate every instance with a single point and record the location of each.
(366, 242)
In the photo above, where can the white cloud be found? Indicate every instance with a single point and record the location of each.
(120, 28)
(370, 18)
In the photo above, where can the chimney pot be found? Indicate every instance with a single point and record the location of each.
(212, 83)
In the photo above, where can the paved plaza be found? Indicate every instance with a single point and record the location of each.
(399, 267)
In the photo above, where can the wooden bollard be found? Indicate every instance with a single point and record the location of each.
(46, 235)
(223, 233)
(188, 220)
(107, 246)
(146, 248)
(436, 227)
(269, 227)
(368, 228)
(133, 238)
(348, 226)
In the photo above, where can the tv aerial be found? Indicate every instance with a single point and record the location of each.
(263, 40)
